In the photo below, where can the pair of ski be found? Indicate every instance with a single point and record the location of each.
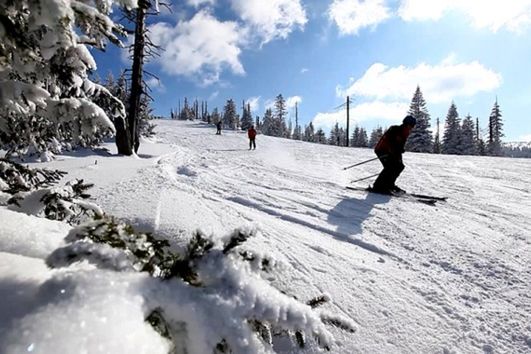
(422, 198)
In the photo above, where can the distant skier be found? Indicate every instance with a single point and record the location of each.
(251, 133)
(389, 150)
(218, 125)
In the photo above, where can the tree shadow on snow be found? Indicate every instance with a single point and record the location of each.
(146, 156)
(349, 214)
(85, 152)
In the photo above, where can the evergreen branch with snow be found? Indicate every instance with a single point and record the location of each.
(66, 203)
(211, 276)
(142, 250)
(15, 178)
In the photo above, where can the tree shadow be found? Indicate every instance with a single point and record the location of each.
(349, 214)
(146, 156)
(85, 152)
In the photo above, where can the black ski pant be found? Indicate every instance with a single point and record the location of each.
(393, 167)
(252, 143)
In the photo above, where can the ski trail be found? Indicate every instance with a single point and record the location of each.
(341, 237)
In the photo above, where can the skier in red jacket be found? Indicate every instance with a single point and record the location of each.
(251, 133)
(389, 150)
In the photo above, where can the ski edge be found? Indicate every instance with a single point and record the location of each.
(427, 199)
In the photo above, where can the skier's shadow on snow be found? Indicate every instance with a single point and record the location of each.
(349, 214)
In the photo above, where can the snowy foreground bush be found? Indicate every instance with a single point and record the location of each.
(209, 297)
(28, 190)
(109, 279)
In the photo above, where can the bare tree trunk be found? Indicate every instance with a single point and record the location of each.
(123, 140)
(136, 75)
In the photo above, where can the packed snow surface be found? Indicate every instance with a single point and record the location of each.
(414, 278)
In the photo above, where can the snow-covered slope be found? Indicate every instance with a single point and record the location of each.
(450, 278)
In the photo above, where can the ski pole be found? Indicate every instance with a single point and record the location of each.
(361, 163)
(364, 178)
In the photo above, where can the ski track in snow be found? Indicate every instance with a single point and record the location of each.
(415, 278)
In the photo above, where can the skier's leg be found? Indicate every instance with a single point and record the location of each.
(397, 168)
(384, 181)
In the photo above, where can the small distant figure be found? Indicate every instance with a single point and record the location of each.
(389, 150)
(251, 133)
(218, 125)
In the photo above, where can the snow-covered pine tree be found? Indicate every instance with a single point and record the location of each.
(437, 139)
(376, 134)
(309, 133)
(280, 114)
(297, 132)
(205, 117)
(320, 136)
(355, 139)
(230, 117)
(120, 89)
(187, 112)
(215, 116)
(335, 136)
(495, 131)
(196, 109)
(47, 100)
(468, 139)
(268, 123)
(342, 137)
(289, 130)
(146, 127)
(480, 143)
(452, 132)
(363, 139)
(420, 139)
(247, 118)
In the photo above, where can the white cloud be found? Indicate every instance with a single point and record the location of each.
(304, 70)
(197, 3)
(352, 15)
(271, 19)
(213, 96)
(269, 104)
(391, 111)
(201, 47)
(291, 101)
(439, 83)
(422, 10)
(515, 15)
(254, 102)
(156, 84)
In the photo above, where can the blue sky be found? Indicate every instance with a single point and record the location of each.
(315, 52)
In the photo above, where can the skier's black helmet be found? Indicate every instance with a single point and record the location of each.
(409, 120)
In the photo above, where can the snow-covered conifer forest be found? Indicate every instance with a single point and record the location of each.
(143, 235)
